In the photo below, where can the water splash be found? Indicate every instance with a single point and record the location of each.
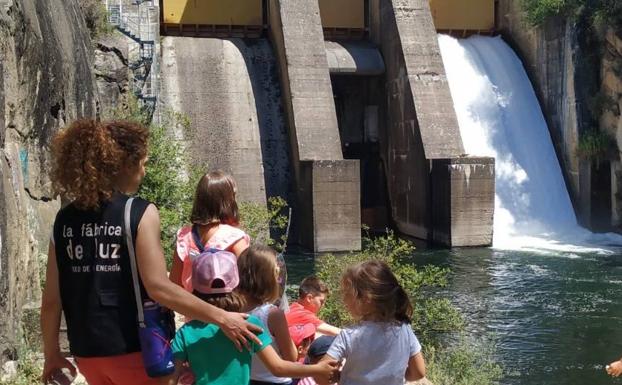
(499, 116)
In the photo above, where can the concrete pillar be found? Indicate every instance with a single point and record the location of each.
(334, 222)
(422, 128)
(328, 186)
(463, 201)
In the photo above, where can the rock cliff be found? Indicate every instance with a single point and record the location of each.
(46, 80)
(611, 120)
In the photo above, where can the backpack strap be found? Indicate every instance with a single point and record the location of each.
(130, 249)
(196, 237)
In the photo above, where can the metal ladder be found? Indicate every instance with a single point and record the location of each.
(139, 20)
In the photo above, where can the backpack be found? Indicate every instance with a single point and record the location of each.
(196, 237)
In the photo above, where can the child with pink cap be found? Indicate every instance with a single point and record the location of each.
(214, 360)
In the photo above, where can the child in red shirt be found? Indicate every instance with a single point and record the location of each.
(311, 297)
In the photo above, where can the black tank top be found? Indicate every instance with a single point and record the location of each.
(95, 277)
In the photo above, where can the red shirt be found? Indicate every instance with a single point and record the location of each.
(298, 315)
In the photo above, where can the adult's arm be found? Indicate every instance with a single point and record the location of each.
(152, 269)
(176, 269)
(50, 320)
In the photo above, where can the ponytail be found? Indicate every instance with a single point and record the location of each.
(375, 281)
(403, 307)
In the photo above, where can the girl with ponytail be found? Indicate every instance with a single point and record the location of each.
(381, 348)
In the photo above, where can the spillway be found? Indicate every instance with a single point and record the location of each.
(499, 116)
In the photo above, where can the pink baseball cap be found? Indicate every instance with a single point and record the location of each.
(215, 273)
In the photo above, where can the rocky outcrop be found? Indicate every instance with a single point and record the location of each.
(45, 81)
(112, 71)
(611, 119)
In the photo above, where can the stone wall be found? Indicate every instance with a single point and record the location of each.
(328, 212)
(45, 82)
(209, 80)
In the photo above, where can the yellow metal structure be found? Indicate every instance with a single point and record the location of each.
(212, 12)
(342, 13)
(463, 15)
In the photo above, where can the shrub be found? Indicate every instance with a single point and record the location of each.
(460, 363)
(96, 18)
(265, 225)
(595, 145)
(538, 11)
(432, 315)
(466, 363)
(598, 12)
(171, 178)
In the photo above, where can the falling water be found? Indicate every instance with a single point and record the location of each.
(499, 116)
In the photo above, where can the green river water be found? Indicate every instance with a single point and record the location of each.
(556, 318)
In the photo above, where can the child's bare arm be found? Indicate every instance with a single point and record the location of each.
(280, 368)
(172, 379)
(416, 368)
(277, 324)
(332, 379)
(328, 330)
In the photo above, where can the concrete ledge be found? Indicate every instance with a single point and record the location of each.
(463, 201)
(331, 214)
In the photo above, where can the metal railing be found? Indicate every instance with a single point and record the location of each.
(140, 21)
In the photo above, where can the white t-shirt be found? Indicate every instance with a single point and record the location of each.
(375, 352)
(259, 372)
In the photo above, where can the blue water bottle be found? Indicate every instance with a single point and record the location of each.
(155, 341)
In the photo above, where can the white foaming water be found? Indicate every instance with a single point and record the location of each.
(499, 116)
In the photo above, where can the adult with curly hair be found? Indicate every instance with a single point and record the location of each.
(96, 166)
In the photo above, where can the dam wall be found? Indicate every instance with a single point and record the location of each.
(421, 128)
(217, 84)
(328, 185)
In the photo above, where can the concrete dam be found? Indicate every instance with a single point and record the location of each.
(342, 107)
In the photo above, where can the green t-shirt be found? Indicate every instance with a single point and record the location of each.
(213, 358)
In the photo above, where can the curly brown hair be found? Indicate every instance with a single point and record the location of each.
(375, 283)
(87, 156)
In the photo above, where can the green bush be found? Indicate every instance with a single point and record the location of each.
(538, 11)
(96, 18)
(595, 145)
(168, 182)
(432, 315)
(465, 363)
(171, 178)
(261, 222)
(598, 12)
(29, 369)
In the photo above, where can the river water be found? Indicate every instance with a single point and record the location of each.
(549, 294)
(553, 318)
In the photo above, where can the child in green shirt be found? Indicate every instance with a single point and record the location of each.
(213, 359)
